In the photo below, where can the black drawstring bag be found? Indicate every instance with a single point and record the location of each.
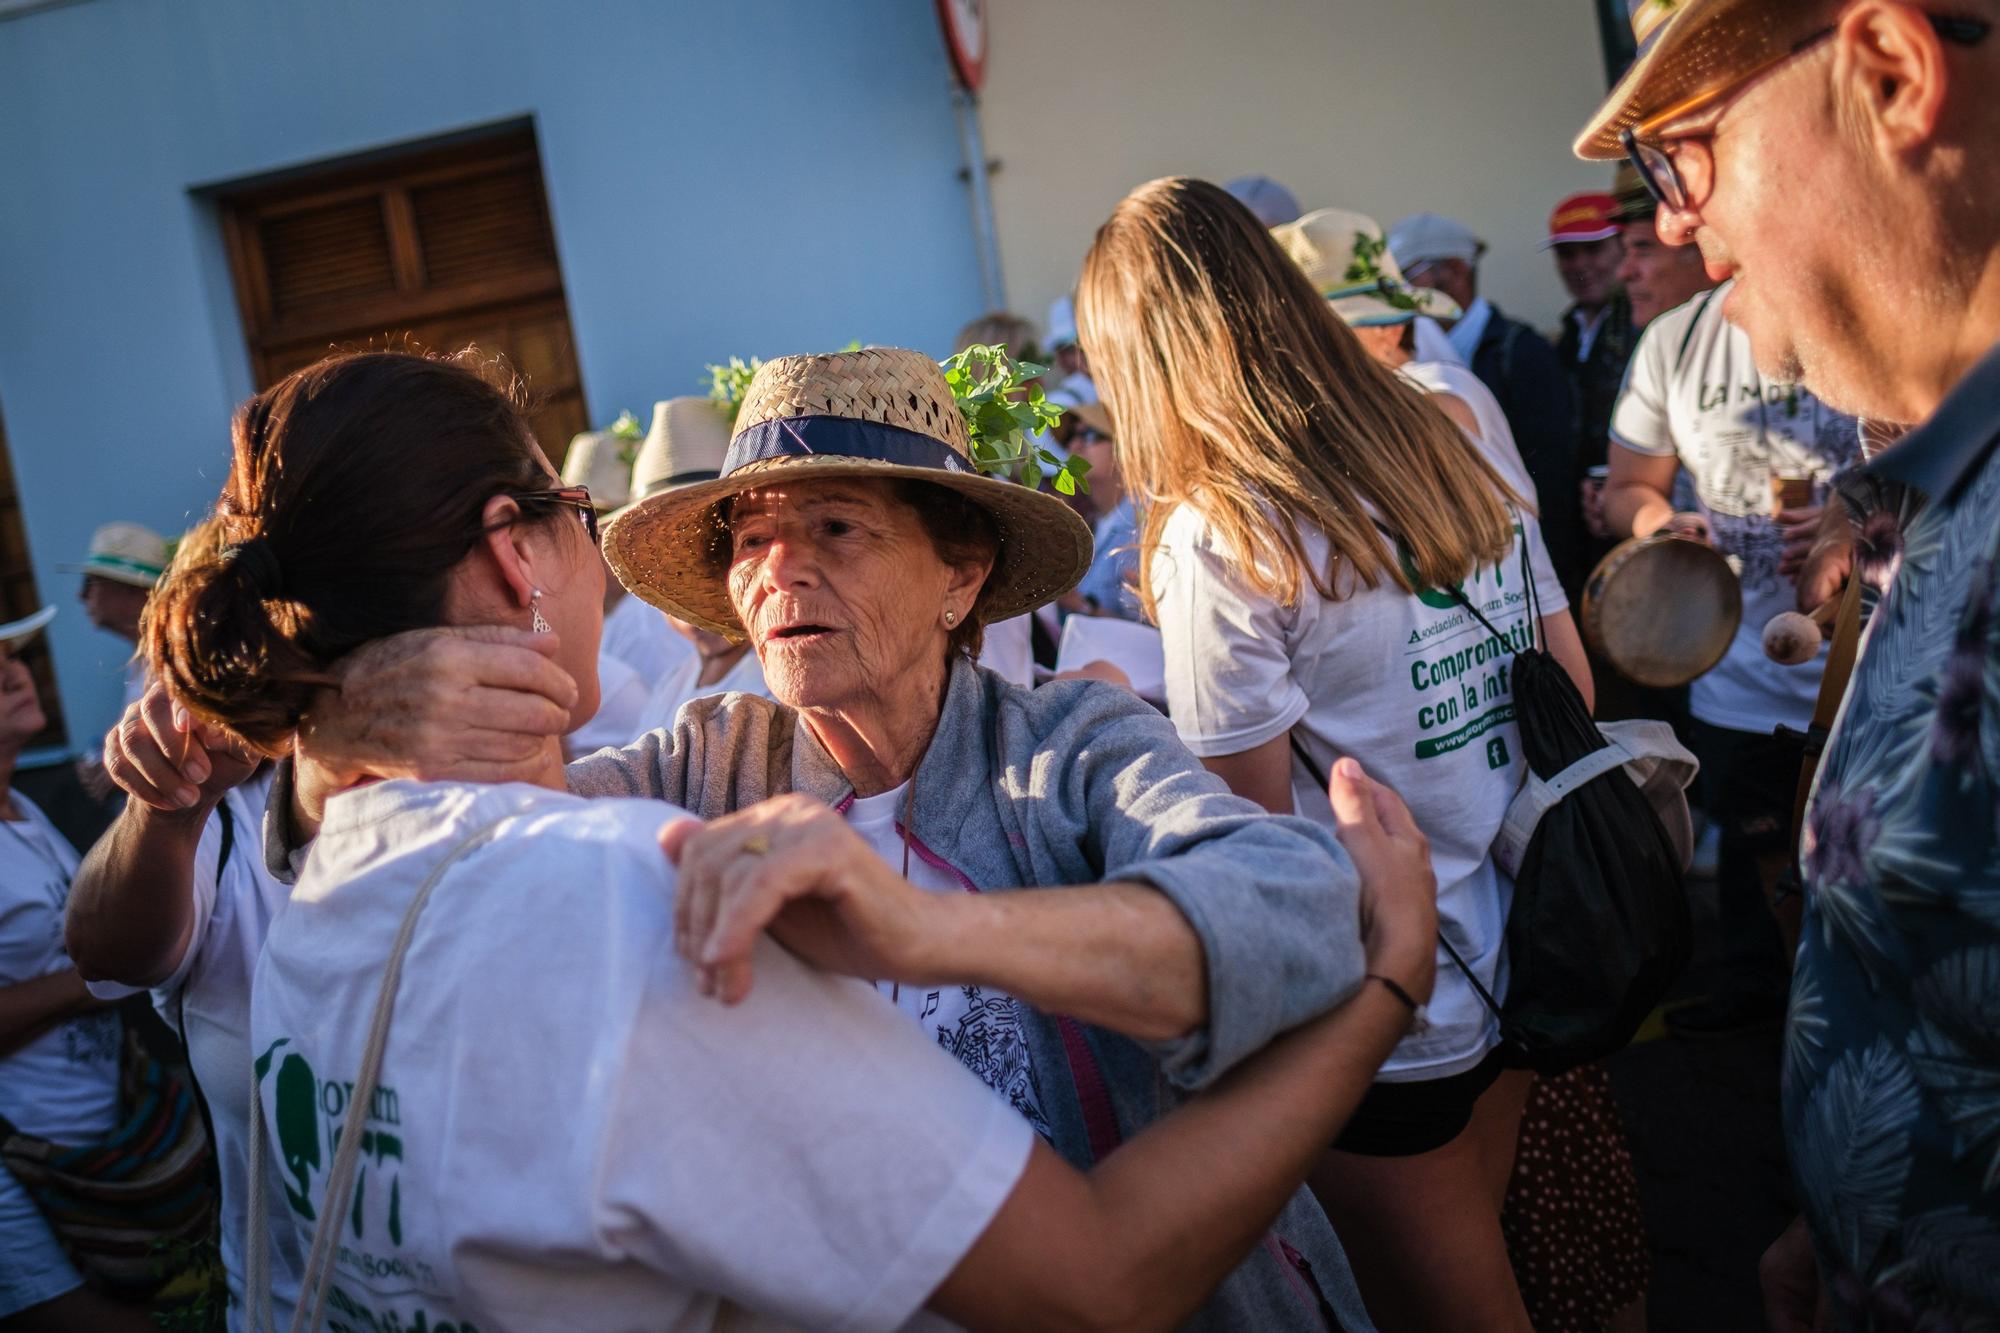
(1600, 925)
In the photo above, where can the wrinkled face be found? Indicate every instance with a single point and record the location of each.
(839, 588)
(21, 714)
(1589, 269)
(113, 606)
(1658, 276)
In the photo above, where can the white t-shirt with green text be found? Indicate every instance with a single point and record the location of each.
(1411, 686)
(567, 1136)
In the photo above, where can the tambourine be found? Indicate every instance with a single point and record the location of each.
(1662, 609)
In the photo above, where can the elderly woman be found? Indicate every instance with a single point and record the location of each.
(553, 926)
(876, 811)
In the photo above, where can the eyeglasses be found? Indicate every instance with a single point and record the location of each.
(1667, 177)
(577, 497)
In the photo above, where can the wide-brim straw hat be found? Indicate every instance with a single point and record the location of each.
(1687, 49)
(688, 443)
(1344, 256)
(14, 631)
(128, 553)
(880, 413)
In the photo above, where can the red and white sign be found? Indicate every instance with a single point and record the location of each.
(964, 24)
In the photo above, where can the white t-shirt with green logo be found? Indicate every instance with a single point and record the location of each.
(567, 1136)
(1411, 686)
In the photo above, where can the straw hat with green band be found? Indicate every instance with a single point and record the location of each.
(127, 553)
(880, 413)
(1344, 256)
(1690, 50)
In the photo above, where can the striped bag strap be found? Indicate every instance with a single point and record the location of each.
(316, 1282)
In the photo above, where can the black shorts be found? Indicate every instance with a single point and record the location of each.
(1404, 1119)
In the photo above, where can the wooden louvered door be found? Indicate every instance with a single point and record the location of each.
(19, 598)
(438, 250)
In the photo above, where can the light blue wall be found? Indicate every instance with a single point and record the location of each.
(741, 176)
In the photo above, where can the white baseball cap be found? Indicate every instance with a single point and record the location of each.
(1423, 238)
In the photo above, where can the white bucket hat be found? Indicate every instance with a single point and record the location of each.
(687, 444)
(1344, 256)
(600, 461)
(16, 631)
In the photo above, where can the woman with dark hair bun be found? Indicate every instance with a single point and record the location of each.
(426, 463)
(494, 1091)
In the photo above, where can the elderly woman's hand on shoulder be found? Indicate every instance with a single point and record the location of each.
(791, 865)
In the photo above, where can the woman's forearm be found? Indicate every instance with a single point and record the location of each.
(30, 1008)
(1233, 1156)
(1118, 956)
(131, 906)
(1148, 1234)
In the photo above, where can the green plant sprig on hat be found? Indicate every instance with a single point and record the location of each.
(1003, 405)
(727, 384)
(627, 431)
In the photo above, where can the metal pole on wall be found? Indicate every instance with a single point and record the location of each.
(965, 108)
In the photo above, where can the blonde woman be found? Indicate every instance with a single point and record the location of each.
(1314, 525)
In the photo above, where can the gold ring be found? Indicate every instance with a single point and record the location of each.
(756, 845)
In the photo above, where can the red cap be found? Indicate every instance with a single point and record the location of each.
(1583, 217)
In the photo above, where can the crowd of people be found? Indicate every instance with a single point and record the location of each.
(807, 864)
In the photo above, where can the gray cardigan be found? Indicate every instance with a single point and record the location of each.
(1078, 782)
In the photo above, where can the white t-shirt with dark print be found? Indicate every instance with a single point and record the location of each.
(1411, 686)
(1693, 391)
(62, 1085)
(977, 1026)
(567, 1135)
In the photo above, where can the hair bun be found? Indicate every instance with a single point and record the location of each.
(257, 564)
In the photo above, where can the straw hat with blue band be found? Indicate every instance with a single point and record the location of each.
(1689, 50)
(1344, 256)
(879, 413)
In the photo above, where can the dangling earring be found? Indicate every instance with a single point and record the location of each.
(950, 618)
(536, 620)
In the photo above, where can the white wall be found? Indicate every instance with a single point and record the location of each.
(1467, 107)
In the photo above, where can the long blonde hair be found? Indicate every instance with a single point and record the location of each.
(1239, 393)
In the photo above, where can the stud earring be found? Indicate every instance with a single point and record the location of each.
(536, 620)
(951, 617)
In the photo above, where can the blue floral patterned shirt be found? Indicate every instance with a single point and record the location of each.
(1892, 1066)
